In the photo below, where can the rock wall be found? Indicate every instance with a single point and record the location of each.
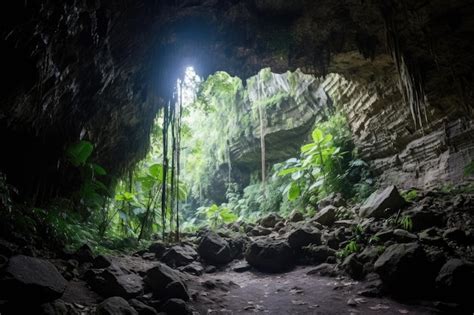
(98, 69)
(292, 103)
(386, 135)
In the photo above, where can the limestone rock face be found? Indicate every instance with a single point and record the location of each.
(409, 107)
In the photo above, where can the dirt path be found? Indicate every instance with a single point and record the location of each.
(294, 292)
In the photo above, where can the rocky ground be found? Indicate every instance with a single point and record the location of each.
(386, 256)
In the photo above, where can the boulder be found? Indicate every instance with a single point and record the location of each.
(162, 278)
(455, 279)
(405, 269)
(295, 216)
(270, 255)
(304, 236)
(402, 236)
(115, 306)
(101, 262)
(382, 204)
(238, 245)
(84, 254)
(215, 250)
(114, 282)
(455, 235)
(270, 220)
(194, 268)
(318, 254)
(157, 248)
(34, 278)
(334, 199)
(260, 231)
(353, 267)
(57, 307)
(422, 218)
(179, 255)
(142, 308)
(326, 216)
(176, 307)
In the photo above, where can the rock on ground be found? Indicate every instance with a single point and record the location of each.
(166, 282)
(304, 236)
(405, 269)
(455, 280)
(36, 279)
(382, 204)
(270, 255)
(179, 255)
(215, 250)
(115, 306)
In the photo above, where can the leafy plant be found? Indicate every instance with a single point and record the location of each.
(410, 195)
(406, 223)
(93, 193)
(350, 248)
(217, 215)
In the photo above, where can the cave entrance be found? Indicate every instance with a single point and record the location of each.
(236, 150)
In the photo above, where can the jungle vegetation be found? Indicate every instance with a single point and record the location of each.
(166, 194)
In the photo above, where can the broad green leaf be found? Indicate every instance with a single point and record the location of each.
(317, 135)
(79, 153)
(294, 191)
(308, 148)
(156, 170)
(289, 171)
(98, 170)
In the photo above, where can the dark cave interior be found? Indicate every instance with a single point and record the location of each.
(331, 142)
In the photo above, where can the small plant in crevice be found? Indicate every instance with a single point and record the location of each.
(410, 195)
(350, 248)
(406, 223)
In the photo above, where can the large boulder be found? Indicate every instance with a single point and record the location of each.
(424, 218)
(179, 255)
(114, 282)
(157, 248)
(382, 204)
(326, 216)
(84, 254)
(115, 306)
(215, 250)
(455, 279)
(295, 216)
(270, 255)
(270, 220)
(405, 269)
(166, 283)
(303, 236)
(33, 279)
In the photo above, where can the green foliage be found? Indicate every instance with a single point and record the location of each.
(410, 195)
(79, 153)
(350, 248)
(406, 223)
(325, 166)
(217, 215)
(469, 169)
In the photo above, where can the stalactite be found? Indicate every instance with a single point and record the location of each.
(410, 83)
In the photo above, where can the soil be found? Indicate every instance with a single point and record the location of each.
(294, 292)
